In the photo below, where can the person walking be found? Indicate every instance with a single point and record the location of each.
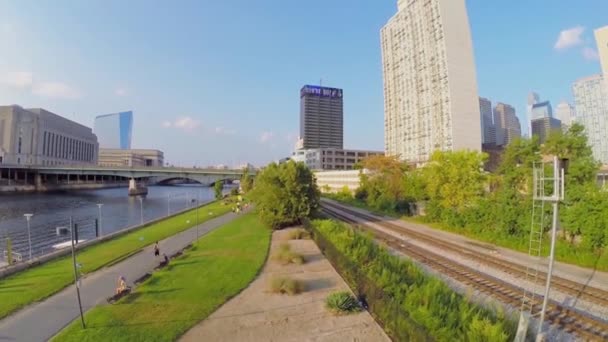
(156, 250)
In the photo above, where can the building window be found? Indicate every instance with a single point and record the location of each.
(44, 144)
(19, 147)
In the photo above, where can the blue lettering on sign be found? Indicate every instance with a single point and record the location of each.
(321, 91)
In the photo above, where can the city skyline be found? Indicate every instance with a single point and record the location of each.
(210, 93)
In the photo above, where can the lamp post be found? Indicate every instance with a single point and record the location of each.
(99, 205)
(168, 204)
(141, 209)
(29, 234)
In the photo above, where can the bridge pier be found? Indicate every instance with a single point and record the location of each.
(137, 189)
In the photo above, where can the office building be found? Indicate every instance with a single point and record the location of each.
(508, 127)
(543, 127)
(321, 117)
(114, 130)
(564, 112)
(601, 39)
(39, 137)
(332, 158)
(591, 103)
(336, 180)
(533, 99)
(541, 110)
(488, 128)
(131, 158)
(430, 86)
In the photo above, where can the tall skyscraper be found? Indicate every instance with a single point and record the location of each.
(114, 130)
(533, 99)
(542, 127)
(321, 117)
(508, 127)
(564, 112)
(591, 102)
(430, 86)
(488, 129)
(601, 39)
(541, 110)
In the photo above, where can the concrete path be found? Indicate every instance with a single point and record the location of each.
(41, 321)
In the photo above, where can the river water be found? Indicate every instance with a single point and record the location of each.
(119, 211)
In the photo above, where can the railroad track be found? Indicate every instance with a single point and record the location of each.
(568, 320)
(566, 286)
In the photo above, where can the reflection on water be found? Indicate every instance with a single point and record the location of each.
(52, 210)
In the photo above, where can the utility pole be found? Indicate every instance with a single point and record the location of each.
(29, 233)
(558, 195)
(76, 276)
(141, 210)
(99, 205)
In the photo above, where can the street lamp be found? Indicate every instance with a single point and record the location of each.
(99, 205)
(29, 234)
(141, 209)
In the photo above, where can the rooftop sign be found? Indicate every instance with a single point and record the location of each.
(321, 91)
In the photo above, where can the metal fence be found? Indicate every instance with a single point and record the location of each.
(387, 312)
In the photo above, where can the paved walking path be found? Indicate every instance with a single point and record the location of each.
(41, 321)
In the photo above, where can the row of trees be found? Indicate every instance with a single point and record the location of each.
(459, 193)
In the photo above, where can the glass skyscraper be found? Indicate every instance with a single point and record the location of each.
(114, 130)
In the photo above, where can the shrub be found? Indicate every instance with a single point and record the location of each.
(402, 296)
(285, 255)
(285, 285)
(298, 234)
(234, 192)
(342, 302)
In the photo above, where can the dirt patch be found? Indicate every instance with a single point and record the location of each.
(257, 315)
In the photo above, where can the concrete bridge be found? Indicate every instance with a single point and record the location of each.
(45, 178)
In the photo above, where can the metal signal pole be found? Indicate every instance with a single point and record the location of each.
(76, 276)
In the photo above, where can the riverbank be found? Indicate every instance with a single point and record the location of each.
(173, 299)
(20, 289)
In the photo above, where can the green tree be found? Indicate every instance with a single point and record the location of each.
(246, 181)
(218, 187)
(285, 194)
(381, 183)
(455, 179)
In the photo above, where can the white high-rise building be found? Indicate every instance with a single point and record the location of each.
(564, 112)
(533, 99)
(591, 101)
(601, 38)
(430, 86)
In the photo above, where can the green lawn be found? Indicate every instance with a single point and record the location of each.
(174, 299)
(42, 281)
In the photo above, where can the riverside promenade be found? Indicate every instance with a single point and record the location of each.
(41, 321)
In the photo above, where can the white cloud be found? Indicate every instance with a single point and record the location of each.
(590, 54)
(19, 79)
(167, 124)
(226, 131)
(121, 92)
(55, 90)
(266, 136)
(187, 123)
(569, 38)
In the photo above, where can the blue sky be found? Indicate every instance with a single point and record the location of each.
(218, 81)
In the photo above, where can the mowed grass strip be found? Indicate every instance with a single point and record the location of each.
(176, 298)
(42, 281)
